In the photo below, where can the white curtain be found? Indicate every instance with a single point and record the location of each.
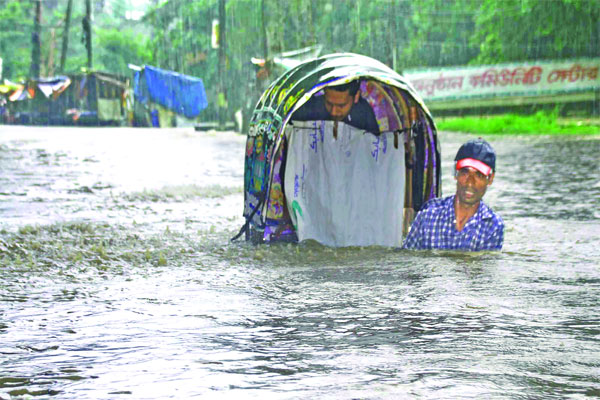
(347, 191)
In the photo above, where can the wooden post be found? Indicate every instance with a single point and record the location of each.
(65, 43)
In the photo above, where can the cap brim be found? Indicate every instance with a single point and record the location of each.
(473, 163)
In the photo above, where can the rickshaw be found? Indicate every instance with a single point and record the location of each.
(328, 181)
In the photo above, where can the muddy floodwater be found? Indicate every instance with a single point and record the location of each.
(118, 281)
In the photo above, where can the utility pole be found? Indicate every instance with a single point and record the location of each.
(87, 31)
(65, 43)
(222, 95)
(34, 70)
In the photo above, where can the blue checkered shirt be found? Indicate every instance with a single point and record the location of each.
(435, 228)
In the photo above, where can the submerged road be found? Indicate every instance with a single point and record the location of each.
(118, 280)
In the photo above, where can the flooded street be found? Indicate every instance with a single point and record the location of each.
(118, 281)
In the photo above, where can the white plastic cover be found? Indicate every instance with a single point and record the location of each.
(347, 191)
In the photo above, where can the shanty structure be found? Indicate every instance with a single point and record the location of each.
(88, 98)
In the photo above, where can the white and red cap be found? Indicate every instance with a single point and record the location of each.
(473, 163)
(476, 154)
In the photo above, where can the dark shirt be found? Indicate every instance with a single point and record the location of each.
(361, 115)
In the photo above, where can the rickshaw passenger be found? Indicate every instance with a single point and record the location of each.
(340, 103)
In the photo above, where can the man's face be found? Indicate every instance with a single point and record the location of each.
(471, 185)
(339, 104)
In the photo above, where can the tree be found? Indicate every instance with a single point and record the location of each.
(118, 48)
(176, 34)
(34, 70)
(16, 26)
(65, 43)
(556, 29)
(438, 33)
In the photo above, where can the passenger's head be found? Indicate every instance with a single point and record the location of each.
(475, 169)
(340, 99)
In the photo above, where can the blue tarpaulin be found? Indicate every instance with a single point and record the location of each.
(180, 93)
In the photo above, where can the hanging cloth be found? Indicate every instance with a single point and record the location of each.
(347, 191)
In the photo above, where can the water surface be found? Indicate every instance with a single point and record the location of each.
(117, 280)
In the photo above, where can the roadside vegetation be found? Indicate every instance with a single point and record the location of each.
(540, 123)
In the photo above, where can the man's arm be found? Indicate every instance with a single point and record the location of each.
(494, 238)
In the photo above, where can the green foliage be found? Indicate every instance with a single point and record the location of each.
(439, 33)
(176, 35)
(16, 23)
(555, 29)
(541, 123)
(116, 41)
(117, 48)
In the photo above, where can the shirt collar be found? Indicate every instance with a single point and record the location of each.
(483, 211)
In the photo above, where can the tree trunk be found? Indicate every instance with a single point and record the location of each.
(312, 15)
(34, 71)
(50, 63)
(87, 29)
(392, 40)
(264, 30)
(222, 97)
(65, 43)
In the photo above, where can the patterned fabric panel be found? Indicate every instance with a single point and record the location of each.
(278, 224)
(382, 104)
